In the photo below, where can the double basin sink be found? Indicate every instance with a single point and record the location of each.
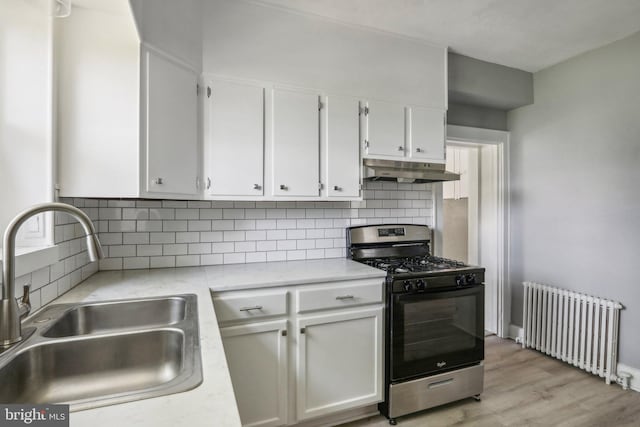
(97, 354)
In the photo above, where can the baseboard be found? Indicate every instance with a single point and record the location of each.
(516, 333)
(342, 417)
(634, 382)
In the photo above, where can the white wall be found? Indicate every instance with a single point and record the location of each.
(25, 107)
(575, 176)
(247, 40)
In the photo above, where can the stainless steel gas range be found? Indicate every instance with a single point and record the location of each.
(434, 347)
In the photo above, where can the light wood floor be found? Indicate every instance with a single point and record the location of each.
(525, 388)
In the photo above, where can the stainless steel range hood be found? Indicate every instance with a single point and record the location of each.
(392, 170)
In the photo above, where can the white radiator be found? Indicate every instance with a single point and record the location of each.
(576, 328)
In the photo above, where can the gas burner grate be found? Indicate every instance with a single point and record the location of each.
(414, 264)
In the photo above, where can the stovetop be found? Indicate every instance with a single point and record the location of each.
(418, 264)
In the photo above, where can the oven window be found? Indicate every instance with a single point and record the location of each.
(436, 332)
(439, 326)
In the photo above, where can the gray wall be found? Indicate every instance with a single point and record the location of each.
(485, 84)
(475, 116)
(575, 176)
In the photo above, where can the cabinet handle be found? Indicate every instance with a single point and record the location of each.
(343, 297)
(400, 148)
(419, 150)
(255, 307)
(208, 183)
(256, 186)
(158, 181)
(283, 187)
(336, 188)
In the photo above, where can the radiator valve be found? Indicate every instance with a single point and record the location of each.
(623, 379)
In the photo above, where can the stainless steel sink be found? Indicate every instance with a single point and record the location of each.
(98, 354)
(107, 316)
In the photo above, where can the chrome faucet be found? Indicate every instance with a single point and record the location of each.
(11, 312)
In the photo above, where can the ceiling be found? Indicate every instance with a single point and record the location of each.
(526, 34)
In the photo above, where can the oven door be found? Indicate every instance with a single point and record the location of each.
(434, 332)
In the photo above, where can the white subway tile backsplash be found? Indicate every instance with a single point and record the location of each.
(276, 256)
(199, 248)
(233, 236)
(268, 245)
(223, 224)
(187, 214)
(244, 247)
(211, 236)
(149, 250)
(210, 213)
(256, 257)
(187, 237)
(238, 258)
(218, 248)
(174, 233)
(174, 249)
(162, 261)
(136, 263)
(187, 260)
(180, 225)
(199, 225)
(148, 225)
(162, 238)
(135, 238)
(174, 204)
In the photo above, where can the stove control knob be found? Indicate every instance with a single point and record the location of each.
(471, 279)
(420, 285)
(407, 285)
(461, 280)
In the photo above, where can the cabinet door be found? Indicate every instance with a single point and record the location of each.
(257, 358)
(340, 362)
(296, 143)
(171, 135)
(235, 139)
(427, 129)
(343, 150)
(385, 124)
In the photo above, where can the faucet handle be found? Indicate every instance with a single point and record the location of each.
(24, 306)
(25, 295)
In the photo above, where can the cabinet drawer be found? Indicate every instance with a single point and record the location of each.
(340, 294)
(236, 307)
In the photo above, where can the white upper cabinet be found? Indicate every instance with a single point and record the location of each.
(170, 120)
(342, 136)
(234, 139)
(384, 129)
(426, 134)
(295, 127)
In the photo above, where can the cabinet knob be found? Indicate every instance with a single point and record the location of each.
(283, 187)
(400, 148)
(158, 181)
(256, 186)
(419, 150)
(336, 188)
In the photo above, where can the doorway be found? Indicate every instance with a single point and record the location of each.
(471, 214)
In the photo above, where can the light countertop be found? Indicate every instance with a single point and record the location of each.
(213, 402)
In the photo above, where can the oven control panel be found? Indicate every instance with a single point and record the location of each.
(432, 283)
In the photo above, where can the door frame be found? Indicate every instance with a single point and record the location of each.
(500, 139)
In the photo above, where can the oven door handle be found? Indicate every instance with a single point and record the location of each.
(423, 296)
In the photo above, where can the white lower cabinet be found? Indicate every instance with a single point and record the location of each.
(339, 361)
(332, 360)
(257, 358)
